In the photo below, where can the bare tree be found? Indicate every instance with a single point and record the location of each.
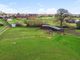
(61, 15)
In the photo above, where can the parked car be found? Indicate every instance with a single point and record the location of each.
(70, 21)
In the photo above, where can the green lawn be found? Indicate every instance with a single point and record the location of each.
(35, 44)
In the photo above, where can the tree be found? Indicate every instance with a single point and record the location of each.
(61, 15)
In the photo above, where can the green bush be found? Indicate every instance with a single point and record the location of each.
(78, 24)
(1, 24)
(20, 24)
(34, 23)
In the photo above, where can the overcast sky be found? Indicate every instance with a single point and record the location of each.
(39, 6)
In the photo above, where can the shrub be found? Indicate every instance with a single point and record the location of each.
(34, 23)
(20, 24)
(78, 24)
(1, 24)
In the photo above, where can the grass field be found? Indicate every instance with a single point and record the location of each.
(35, 44)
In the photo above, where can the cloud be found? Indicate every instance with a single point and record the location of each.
(43, 10)
(47, 11)
(9, 9)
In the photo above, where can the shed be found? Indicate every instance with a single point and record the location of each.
(53, 28)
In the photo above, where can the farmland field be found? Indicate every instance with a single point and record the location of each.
(35, 44)
(39, 30)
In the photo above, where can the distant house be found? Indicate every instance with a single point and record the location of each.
(31, 16)
(1, 17)
(27, 16)
(20, 15)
